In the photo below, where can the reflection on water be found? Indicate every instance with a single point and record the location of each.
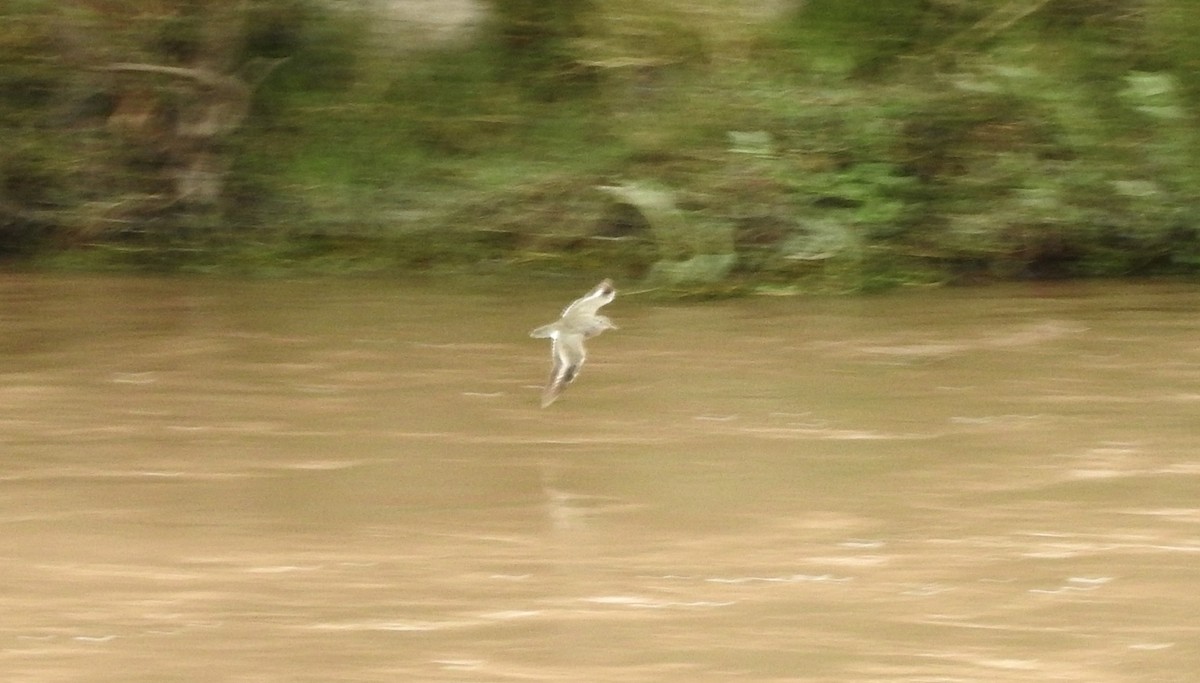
(352, 481)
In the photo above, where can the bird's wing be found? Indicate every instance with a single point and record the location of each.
(568, 355)
(589, 303)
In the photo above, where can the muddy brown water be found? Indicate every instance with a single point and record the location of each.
(206, 480)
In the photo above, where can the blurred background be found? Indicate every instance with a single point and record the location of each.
(817, 143)
(318, 479)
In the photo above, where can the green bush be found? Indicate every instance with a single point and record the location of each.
(537, 44)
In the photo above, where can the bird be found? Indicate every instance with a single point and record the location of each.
(579, 321)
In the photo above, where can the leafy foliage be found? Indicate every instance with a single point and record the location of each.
(839, 145)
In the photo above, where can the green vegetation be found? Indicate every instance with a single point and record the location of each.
(834, 146)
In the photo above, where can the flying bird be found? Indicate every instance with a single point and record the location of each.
(579, 321)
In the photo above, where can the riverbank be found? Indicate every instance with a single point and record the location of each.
(803, 149)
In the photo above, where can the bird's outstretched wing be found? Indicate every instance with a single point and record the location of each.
(568, 354)
(588, 304)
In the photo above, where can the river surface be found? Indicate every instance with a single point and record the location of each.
(206, 480)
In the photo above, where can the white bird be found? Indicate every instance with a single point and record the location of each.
(579, 321)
